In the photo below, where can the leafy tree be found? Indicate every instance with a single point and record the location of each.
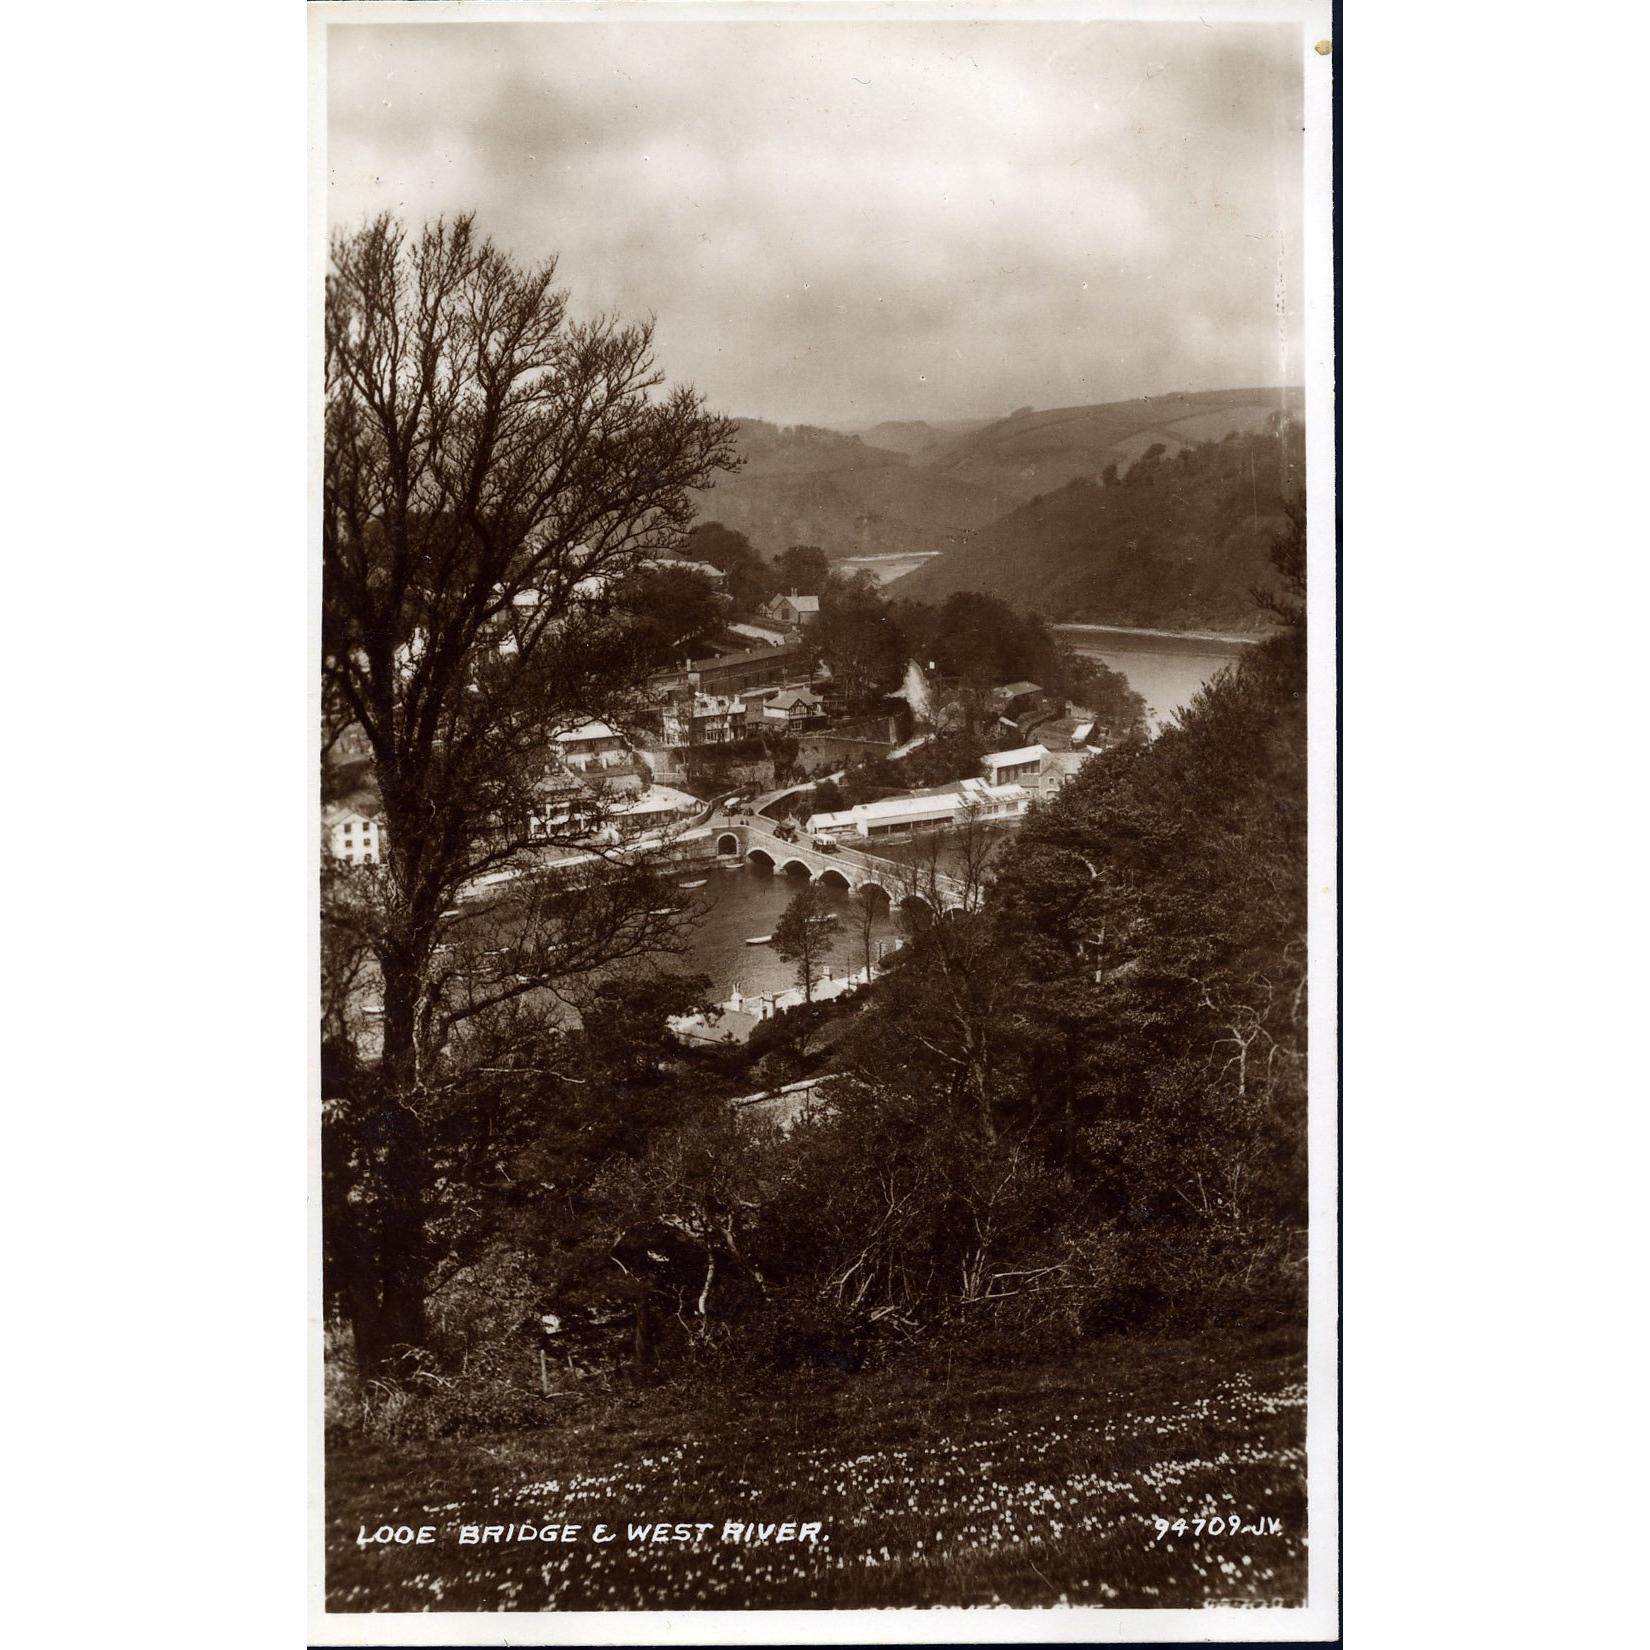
(981, 641)
(675, 613)
(750, 580)
(1287, 603)
(684, 1213)
(857, 634)
(804, 569)
(827, 798)
(493, 472)
(1186, 552)
(806, 935)
(782, 750)
(1117, 708)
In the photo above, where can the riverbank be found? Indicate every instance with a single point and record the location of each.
(738, 1015)
(1121, 638)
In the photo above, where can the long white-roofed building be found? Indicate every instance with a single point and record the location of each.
(930, 810)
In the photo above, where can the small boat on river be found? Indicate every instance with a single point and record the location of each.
(699, 884)
(760, 939)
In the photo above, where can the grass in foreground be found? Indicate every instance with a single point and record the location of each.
(1034, 1486)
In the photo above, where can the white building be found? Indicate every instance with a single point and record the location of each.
(654, 809)
(680, 564)
(793, 706)
(702, 719)
(768, 635)
(924, 811)
(355, 837)
(593, 748)
(1040, 770)
(1058, 768)
(1003, 767)
(793, 611)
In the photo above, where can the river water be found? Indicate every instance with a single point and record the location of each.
(738, 904)
(884, 569)
(1166, 670)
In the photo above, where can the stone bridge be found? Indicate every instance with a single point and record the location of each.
(845, 868)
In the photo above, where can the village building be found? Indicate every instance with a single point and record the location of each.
(1015, 700)
(939, 808)
(767, 635)
(681, 564)
(796, 707)
(565, 810)
(594, 749)
(736, 673)
(793, 611)
(654, 809)
(1039, 770)
(354, 834)
(1058, 768)
(1004, 767)
(702, 719)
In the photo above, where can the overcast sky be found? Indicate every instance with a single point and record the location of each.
(841, 223)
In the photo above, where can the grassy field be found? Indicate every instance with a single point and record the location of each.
(1035, 1486)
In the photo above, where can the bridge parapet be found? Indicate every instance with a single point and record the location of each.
(856, 869)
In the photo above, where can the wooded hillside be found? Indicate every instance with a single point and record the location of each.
(1179, 541)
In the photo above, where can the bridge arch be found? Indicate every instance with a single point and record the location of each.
(836, 878)
(727, 843)
(870, 888)
(792, 866)
(761, 858)
(917, 907)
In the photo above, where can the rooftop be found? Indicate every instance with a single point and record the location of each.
(659, 799)
(1014, 758)
(750, 656)
(1013, 690)
(356, 808)
(671, 564)
(896, 807)
(791, 697)
(586, 730)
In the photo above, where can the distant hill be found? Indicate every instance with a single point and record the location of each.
(913, 485)
(1032, 453)
(1178, 541)
(805, 485)
(917, 438)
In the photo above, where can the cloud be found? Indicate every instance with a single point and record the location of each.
(851, 221)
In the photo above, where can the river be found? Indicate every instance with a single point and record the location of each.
(1165, 667)
(744, 902)
(886, 568)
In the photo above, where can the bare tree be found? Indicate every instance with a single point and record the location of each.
(959, 953)
(492, 470)
(864, 926)
(806, 935)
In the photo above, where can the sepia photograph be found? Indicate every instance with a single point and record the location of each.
(824, 1111)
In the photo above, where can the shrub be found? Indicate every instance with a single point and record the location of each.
(424, 1409)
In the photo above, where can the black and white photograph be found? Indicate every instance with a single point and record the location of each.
(824, 1111)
